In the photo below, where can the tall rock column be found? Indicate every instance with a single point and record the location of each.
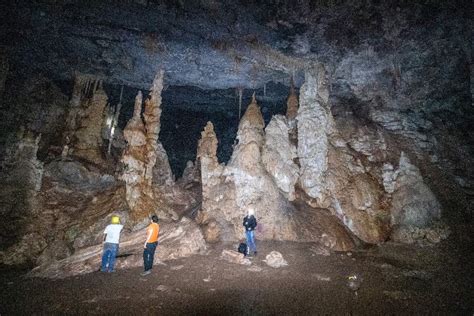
(313, 129)
(254, 185)
(278, 155)
(139, 157)
(218, 197)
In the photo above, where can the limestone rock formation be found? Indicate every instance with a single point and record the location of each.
(140, 156)
(254, 187)
(85, 120)
(278, 155)
(218, 196)
(313, 130)
(162, 174)
(413, 203)
(177, 240)
(70, 211)
(229, 191)
(20, 185)
(332, 175)
(233, 256)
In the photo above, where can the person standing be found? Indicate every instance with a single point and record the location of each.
(150, 245)
(111, 244)
(250, 222)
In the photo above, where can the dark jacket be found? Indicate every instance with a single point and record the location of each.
(250, 222)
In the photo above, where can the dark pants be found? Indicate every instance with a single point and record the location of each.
(148, 254)
(108, 257)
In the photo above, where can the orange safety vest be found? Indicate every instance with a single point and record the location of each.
(152, 232)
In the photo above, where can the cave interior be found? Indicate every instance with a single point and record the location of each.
(345, 125)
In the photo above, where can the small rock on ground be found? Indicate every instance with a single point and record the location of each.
(275, 260)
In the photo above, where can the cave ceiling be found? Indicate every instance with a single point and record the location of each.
(234, 44)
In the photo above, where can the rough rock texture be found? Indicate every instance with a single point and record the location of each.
(228, 191)
(313, 129)
(176, 240)
(233, 256)
(139, 157)
(275, 260)
(87, 139)
(278, 155)
(413, 203)
(20, 185)
(331, 174)
(254, 187)
(72, 199)
(162, 174)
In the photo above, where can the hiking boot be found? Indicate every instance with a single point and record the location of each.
(145, 273)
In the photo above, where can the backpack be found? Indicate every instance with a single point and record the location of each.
(243, 248)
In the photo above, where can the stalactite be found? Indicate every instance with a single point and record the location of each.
(240, 102)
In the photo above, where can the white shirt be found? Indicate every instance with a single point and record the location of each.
(112, 232)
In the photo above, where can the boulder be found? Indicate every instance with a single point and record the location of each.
(275, 260)
(234, 257)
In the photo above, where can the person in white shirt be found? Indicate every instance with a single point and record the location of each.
(111, 244)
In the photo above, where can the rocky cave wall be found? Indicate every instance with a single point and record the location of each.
(379, 148)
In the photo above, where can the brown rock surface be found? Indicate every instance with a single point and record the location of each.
(86, 118)
(140, 156)
(176, 240)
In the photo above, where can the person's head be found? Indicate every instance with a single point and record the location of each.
(154, 219)
(251, 211)
(115, 219)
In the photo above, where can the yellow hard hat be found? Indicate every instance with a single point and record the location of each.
(115, 219)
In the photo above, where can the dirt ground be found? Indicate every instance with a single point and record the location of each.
(396, 279)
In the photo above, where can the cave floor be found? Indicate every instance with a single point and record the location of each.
(396, 279)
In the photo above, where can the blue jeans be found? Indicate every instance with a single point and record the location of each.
(108, 257)
(148, 255)
(249, 234)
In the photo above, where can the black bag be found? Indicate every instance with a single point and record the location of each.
(243, 248)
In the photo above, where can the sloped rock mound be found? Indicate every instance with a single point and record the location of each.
(176, 240)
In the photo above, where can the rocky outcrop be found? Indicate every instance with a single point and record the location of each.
(20, 182)
(278, 156)
(331, 174)
(71, 201)
(414, 206)
(177, 240)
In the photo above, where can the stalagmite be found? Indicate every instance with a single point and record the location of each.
(292, 103)
(313, 130)
(140, 156)
(254, 187)
(415, 211)
(278, 155)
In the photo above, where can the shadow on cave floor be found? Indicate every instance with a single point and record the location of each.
(396, 279)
